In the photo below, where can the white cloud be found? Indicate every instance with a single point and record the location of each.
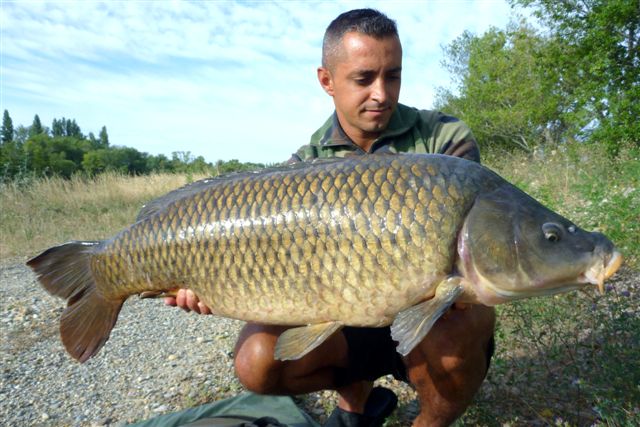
(220, 79)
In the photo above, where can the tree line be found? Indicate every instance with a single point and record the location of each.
(63, 150)
(573, 76)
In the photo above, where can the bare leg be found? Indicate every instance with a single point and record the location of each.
(448, 367)
(259, 372)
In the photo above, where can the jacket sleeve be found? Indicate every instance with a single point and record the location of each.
(454, 138)
(466, 148)
(304, 153)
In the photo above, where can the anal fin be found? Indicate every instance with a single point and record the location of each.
(413, 324)
(294, 343)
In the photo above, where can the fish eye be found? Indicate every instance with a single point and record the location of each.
(571, 229)
(551, 232)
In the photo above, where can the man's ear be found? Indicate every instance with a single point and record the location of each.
(326, 80)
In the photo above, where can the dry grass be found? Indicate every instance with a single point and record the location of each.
(50, 211)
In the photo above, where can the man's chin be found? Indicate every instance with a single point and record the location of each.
(377, 126)
(374, 124)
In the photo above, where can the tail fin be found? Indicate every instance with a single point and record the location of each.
(65, 271)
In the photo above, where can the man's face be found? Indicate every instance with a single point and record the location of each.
(364, 81)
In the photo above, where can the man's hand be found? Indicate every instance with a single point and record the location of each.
(188, 301)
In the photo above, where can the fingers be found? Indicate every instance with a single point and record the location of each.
(188, 301)
(203, 308)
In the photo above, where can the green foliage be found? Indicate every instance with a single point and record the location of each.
(57, 127)
(117, 159)
(104, 137)
(159, 163)
(503, 93)
(234, 165)
(11, 159)
(36, 127)
(7, 128)
(577, 78)
(602, 38)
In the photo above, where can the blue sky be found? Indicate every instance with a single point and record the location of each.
(225, 80)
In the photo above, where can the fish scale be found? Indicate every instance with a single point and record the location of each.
(362, 241)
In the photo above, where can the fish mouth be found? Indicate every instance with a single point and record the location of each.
(599, 273)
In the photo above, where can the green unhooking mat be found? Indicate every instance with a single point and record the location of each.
(235, 411)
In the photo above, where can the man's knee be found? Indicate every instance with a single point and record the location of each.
(462, 338)
(253, 361)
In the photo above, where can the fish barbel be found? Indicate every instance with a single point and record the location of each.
(362, 241)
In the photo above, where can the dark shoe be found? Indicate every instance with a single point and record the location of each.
(379, 406)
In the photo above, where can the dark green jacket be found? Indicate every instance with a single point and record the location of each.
(409, 131)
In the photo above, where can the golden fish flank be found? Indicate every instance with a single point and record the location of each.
(366, 241)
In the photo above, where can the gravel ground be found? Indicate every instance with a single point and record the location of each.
(158, 360)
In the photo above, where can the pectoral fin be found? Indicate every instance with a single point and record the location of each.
(412, 325)
(296, 342)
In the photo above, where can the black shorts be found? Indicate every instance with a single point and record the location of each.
(372, 354)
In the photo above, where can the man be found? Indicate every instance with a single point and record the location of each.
(361, 71)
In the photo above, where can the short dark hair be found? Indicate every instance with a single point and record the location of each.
(369, 22)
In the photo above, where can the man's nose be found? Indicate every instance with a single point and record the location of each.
(379, 91)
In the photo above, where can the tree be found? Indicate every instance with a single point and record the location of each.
(600, 54)
(7, 128)
(104, 137)
(11, 154)
(71, 128)
(58, 127)
(159, 163)
(20, 135)
(37, 154)
(70, 148)
(120, 159)
(96, 161)
(36, 127)
(234, 165)
(503, 90)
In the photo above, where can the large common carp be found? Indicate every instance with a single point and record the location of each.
(363, 241)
